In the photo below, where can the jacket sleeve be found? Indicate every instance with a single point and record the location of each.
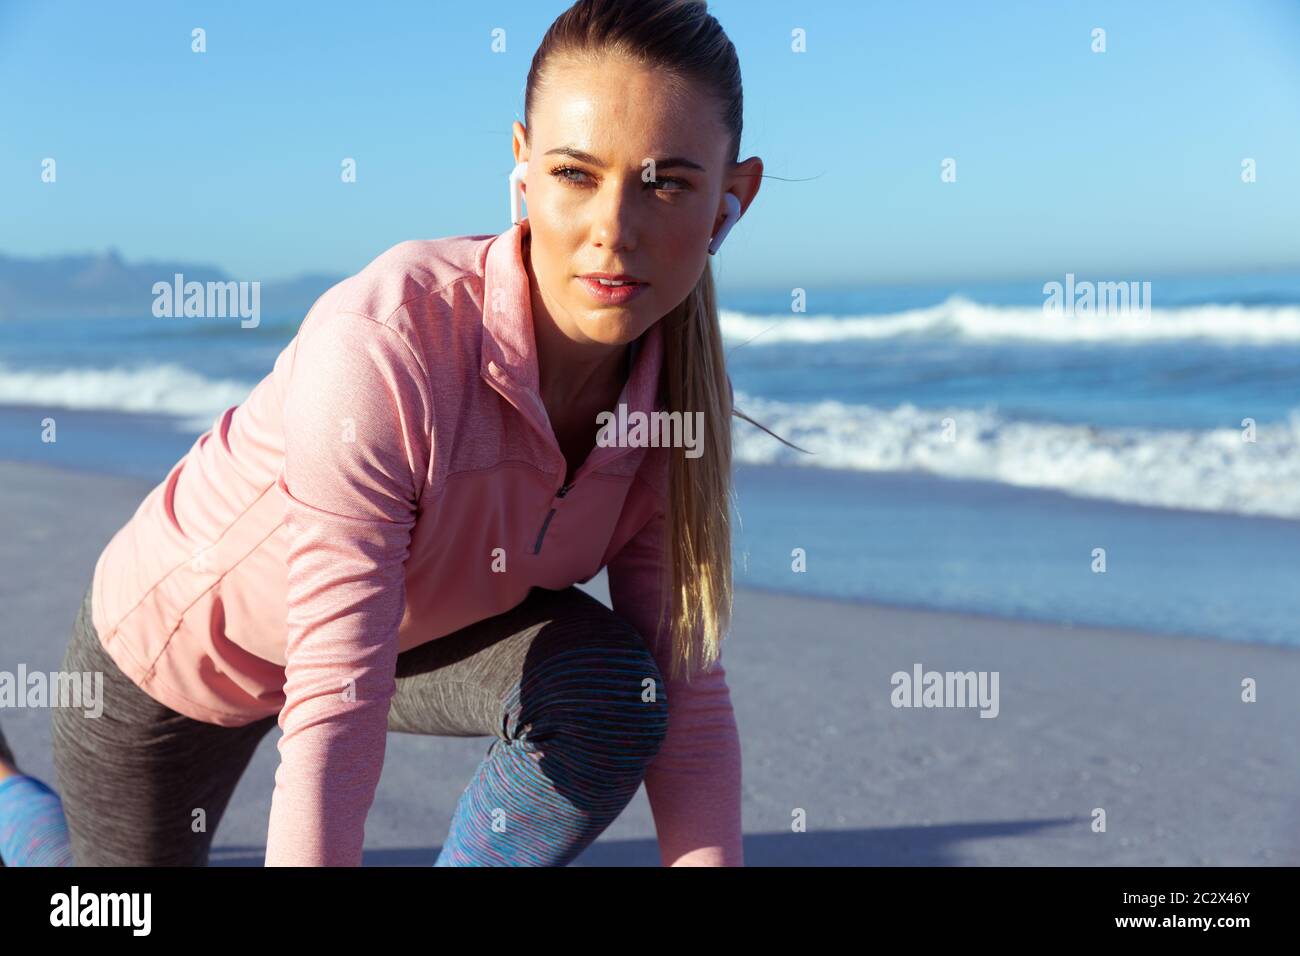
(355, 419)
(694, 782)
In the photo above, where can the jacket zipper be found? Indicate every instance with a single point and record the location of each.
(564, 490)
(503, 388)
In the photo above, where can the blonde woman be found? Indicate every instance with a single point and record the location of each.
(386, 534)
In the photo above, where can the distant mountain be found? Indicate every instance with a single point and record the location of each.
(104, 285)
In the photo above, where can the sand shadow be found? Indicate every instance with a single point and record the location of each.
(887, 846)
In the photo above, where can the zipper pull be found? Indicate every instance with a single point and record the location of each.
(537, 546)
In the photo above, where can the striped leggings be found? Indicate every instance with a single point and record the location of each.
(559, 682)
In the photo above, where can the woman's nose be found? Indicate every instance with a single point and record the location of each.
(614, 221)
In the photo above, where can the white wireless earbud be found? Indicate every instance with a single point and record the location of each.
(517, 192)
(729, 220)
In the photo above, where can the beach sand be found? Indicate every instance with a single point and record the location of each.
(1152, 729)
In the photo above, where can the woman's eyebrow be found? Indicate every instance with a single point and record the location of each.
(668, 162)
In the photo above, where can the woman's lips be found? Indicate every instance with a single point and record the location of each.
(612, 294)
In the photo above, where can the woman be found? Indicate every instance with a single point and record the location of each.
(385, 535)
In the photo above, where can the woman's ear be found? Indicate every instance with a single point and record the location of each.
(520, 142)
(744, 180)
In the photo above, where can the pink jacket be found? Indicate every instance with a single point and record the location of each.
(348, 510)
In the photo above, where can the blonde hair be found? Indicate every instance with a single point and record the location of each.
(682, 39)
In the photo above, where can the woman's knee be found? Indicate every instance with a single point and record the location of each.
(593, 679)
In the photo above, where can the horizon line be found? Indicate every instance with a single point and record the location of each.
(837, 285)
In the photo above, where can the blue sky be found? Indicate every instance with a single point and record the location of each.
(1124, 163)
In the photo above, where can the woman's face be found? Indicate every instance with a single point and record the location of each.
(595, 129)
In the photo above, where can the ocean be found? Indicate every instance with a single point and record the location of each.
(969, 450)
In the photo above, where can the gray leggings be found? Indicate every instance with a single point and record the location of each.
(130, 778)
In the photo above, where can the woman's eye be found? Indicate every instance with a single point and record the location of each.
(559, 173)
(571, 174)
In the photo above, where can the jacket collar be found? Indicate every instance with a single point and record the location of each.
(509, 353)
